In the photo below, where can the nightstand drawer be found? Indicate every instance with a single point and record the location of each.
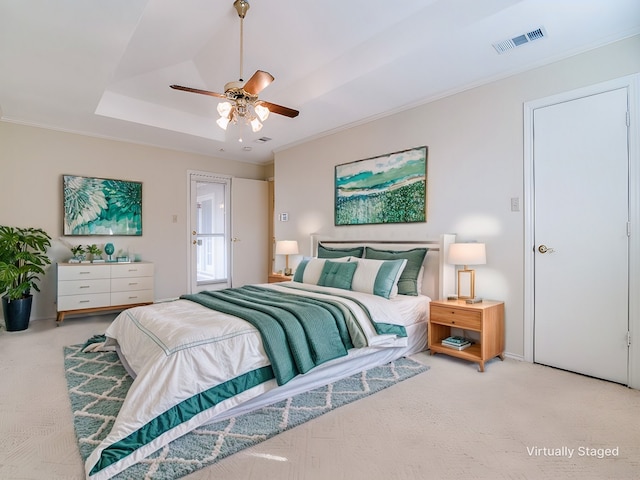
(457, 317)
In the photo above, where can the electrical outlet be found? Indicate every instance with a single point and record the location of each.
(515, 204)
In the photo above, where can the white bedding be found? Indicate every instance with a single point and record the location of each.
(189, 361)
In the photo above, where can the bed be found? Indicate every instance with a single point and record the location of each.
(212, 355)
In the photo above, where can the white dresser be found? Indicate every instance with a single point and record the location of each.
(94, 287)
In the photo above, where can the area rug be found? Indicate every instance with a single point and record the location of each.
(98, 384)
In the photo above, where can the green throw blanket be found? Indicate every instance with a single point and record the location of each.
(299, 333)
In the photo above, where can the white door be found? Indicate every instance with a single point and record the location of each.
(250, 226)
(581, 215)
(209, 230)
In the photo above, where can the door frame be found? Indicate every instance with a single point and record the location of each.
(632, 83)
(189, 248)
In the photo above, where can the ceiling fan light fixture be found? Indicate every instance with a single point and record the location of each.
(242, 97)
(224, 109)
(223, 122)
(262, 112)
(256, 126)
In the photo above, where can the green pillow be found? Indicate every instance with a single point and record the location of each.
(408, 283)
(326, 252)
(337, 274)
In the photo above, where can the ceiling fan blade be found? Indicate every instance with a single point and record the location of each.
(258, 82)
(279, 109)
(197, 90)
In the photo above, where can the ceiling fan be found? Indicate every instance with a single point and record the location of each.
(242, 98)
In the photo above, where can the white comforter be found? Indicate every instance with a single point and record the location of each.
(187, 357)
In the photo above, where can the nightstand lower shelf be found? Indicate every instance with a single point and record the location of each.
(473, 353)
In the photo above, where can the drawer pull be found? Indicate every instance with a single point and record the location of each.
(133, 269)
(85, 301)
(84, 286)
(133, 283)
(84, 273)
(132, 297)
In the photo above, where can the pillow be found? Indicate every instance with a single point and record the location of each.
(408, 283)
(310, 269)
(378, 277)
(326, 252)
(337, 274)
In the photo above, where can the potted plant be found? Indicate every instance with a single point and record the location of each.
(78, 253)
(22, 261)
(95, 253)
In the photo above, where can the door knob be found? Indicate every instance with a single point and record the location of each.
(545, 249)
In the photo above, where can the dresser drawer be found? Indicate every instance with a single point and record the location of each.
(128, 270)
(83, 272)
(83, 287)
(456, 317)
(78, 302)
(128, 298)
(127, 284)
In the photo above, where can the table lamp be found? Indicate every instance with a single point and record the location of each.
(466, 254)
(286, 248)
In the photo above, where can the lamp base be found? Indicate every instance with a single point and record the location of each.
(466, 283)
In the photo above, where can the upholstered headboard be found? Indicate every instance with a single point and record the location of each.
(438, 278)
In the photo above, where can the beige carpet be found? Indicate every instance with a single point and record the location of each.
(449, 423)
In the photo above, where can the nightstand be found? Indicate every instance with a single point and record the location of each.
(278, 277)
(486, 318)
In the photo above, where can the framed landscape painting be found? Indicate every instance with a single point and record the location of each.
(390, 188)
(100, 206)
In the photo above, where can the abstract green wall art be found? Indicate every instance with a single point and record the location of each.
(390, 188)
(99, 206)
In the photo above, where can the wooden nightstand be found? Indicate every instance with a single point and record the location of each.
(486, 318)
(278, 277)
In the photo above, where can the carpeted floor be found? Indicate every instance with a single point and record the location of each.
(452, 423)
(98, 384)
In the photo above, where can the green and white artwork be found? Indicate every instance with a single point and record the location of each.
(390, 188)
(98, 206)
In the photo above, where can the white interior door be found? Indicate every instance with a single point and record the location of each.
(581, 262)
(250, 226)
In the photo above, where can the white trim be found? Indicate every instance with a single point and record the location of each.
(213, 177)
(632, 83)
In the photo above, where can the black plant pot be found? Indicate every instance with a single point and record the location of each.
(16, 313)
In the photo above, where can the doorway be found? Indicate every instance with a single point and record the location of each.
(209, 231)
(579, 267)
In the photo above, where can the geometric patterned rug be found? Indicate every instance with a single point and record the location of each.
(98, 384)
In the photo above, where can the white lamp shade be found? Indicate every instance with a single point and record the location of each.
(467, 254)
(286, 247)
(223, 122)
(256, 126)
(224, 109)
(262, 112)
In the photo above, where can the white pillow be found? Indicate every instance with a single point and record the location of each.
(310, 269)
(378, 277)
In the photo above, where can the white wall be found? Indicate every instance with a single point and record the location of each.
(474, 167)
(32, 162)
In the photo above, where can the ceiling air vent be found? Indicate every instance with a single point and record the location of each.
(520, 40)
(262, 140)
